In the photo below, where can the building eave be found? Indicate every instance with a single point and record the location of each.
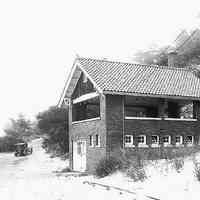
(152, 95)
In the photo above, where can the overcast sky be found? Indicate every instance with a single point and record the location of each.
(40, 38)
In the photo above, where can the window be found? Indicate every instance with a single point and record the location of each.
(141, 140)
(154, 139)
(79, 150)
(166, 140)
(189, 140)
(128, 141)
(97, 141)
(91, 142)
(179, 140)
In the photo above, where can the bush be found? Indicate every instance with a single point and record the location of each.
(137, 173)
(197, 170)
(53, 123)
(171, 153)
(67, 169)
(107, 166)
(7, 143)
(178, 164)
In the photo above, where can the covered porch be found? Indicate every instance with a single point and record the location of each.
(160, 108)
(157, 122)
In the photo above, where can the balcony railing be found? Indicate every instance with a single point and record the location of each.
(159, 118)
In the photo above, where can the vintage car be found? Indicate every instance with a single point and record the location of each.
(22, 149)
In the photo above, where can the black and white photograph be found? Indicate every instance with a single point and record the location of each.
(100, 100)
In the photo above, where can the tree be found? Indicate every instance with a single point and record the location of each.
(20, 128)
(156, 56)
(185, 57)
(54, 123)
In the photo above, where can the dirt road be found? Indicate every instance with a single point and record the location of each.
(32, 178)
(29, 177)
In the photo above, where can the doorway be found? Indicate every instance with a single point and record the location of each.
(79, 155)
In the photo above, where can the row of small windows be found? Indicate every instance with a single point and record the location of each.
(155, 140)
(93, 143)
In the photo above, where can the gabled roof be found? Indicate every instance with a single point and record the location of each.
(142, 79)
(135, 79)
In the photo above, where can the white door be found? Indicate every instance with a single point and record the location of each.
(79, 155)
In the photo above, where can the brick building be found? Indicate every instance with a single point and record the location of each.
(116, 105)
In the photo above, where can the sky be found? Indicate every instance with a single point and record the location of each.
(40, 39)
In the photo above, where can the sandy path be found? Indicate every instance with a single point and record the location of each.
(32, 178)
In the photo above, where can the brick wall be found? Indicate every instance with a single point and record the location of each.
(82, 130)
(116, 128)
(114, 121)
(111, 128)
(162, 127)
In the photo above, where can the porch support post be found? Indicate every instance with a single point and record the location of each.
(196, 110)
(70, 133)
(162, 107)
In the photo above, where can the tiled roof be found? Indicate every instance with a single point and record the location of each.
(120, 77)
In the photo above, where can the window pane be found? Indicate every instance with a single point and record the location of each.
(178, 139)
(140, 139)
(127, 139)
(97, 140)
(91, 140)
(79, 148)
(188, 139)
(154, 139)
(166, 139)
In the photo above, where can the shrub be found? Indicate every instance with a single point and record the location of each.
(197, 170)
(107, 166)
(137, 173)
(171, 153)
(178, 164)
(53, 123)
(7, 143)
(67, 169)
(65, 156)
(129, 157)
(64, 170)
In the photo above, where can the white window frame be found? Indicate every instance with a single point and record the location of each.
(166, 144)
(92, 141)
(181, 140)
(97, 145)
(144, 144)
(128, 144)
(189, 144)
(157, 143)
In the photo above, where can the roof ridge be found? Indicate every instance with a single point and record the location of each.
(137, 64)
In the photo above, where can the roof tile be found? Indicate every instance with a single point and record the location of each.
(142, 79)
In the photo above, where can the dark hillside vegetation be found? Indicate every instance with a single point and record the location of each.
(7, 143)
(53, 123)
